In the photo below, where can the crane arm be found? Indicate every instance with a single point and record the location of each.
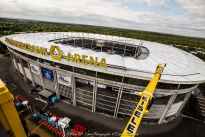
(9, 117)
(142, 106)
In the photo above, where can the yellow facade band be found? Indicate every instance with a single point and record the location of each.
(84, 59)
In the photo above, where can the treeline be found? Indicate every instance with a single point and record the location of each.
(9, 27)
(202, 88)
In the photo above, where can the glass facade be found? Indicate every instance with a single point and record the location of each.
(106, 99)
(84, 93)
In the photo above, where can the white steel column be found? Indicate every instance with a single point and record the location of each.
(118, 101)
(170, 102)
(24, 74)
(94, 95)
(11, 57)
(41, 77)
(184, 102)
(178, 86)
(17, 65)
(82, 39)
(74, 89)
(33, 83)
(56, 83)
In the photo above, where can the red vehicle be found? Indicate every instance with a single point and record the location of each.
(19, 98)
(78, 130)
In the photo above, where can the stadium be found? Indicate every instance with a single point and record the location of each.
(103, 74)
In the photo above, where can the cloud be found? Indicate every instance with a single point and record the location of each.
(101, 13)
(153, 3)
(193, 7)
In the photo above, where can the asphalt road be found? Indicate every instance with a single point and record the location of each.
(100, 125)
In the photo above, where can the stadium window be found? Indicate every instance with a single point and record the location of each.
(184, 86)
(134, 81)
(32, 57)
(23, 54)
(57, 65)
(24, 62)
(66, 67)
(50, 63)
(85, 72)
(180, 97)
(109, 77)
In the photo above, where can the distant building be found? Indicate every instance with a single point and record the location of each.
(193, 52)
(181, 46)
(19, 32)
(201, 52)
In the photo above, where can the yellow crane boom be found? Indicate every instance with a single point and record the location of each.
(9, 117)
(141, 108)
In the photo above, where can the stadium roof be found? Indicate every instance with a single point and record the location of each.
(182, 67)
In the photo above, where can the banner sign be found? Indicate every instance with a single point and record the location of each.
(47, 73)
(35, 68)
(64, 79)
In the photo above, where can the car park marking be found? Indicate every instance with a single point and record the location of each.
(41, 100)
(45, 106)
(35, 129)
(13, 86)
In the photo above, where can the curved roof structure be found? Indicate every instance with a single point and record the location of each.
(182, 67)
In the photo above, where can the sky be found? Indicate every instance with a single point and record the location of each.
(180, 17)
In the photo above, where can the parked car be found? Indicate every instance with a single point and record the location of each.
(48, 96)
(78, 130)
(34, 91)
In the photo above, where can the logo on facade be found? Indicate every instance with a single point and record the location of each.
(64, 79)
(35, 68)
(32, 67)
(47, 75)
(59, 54)
(61, 78)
